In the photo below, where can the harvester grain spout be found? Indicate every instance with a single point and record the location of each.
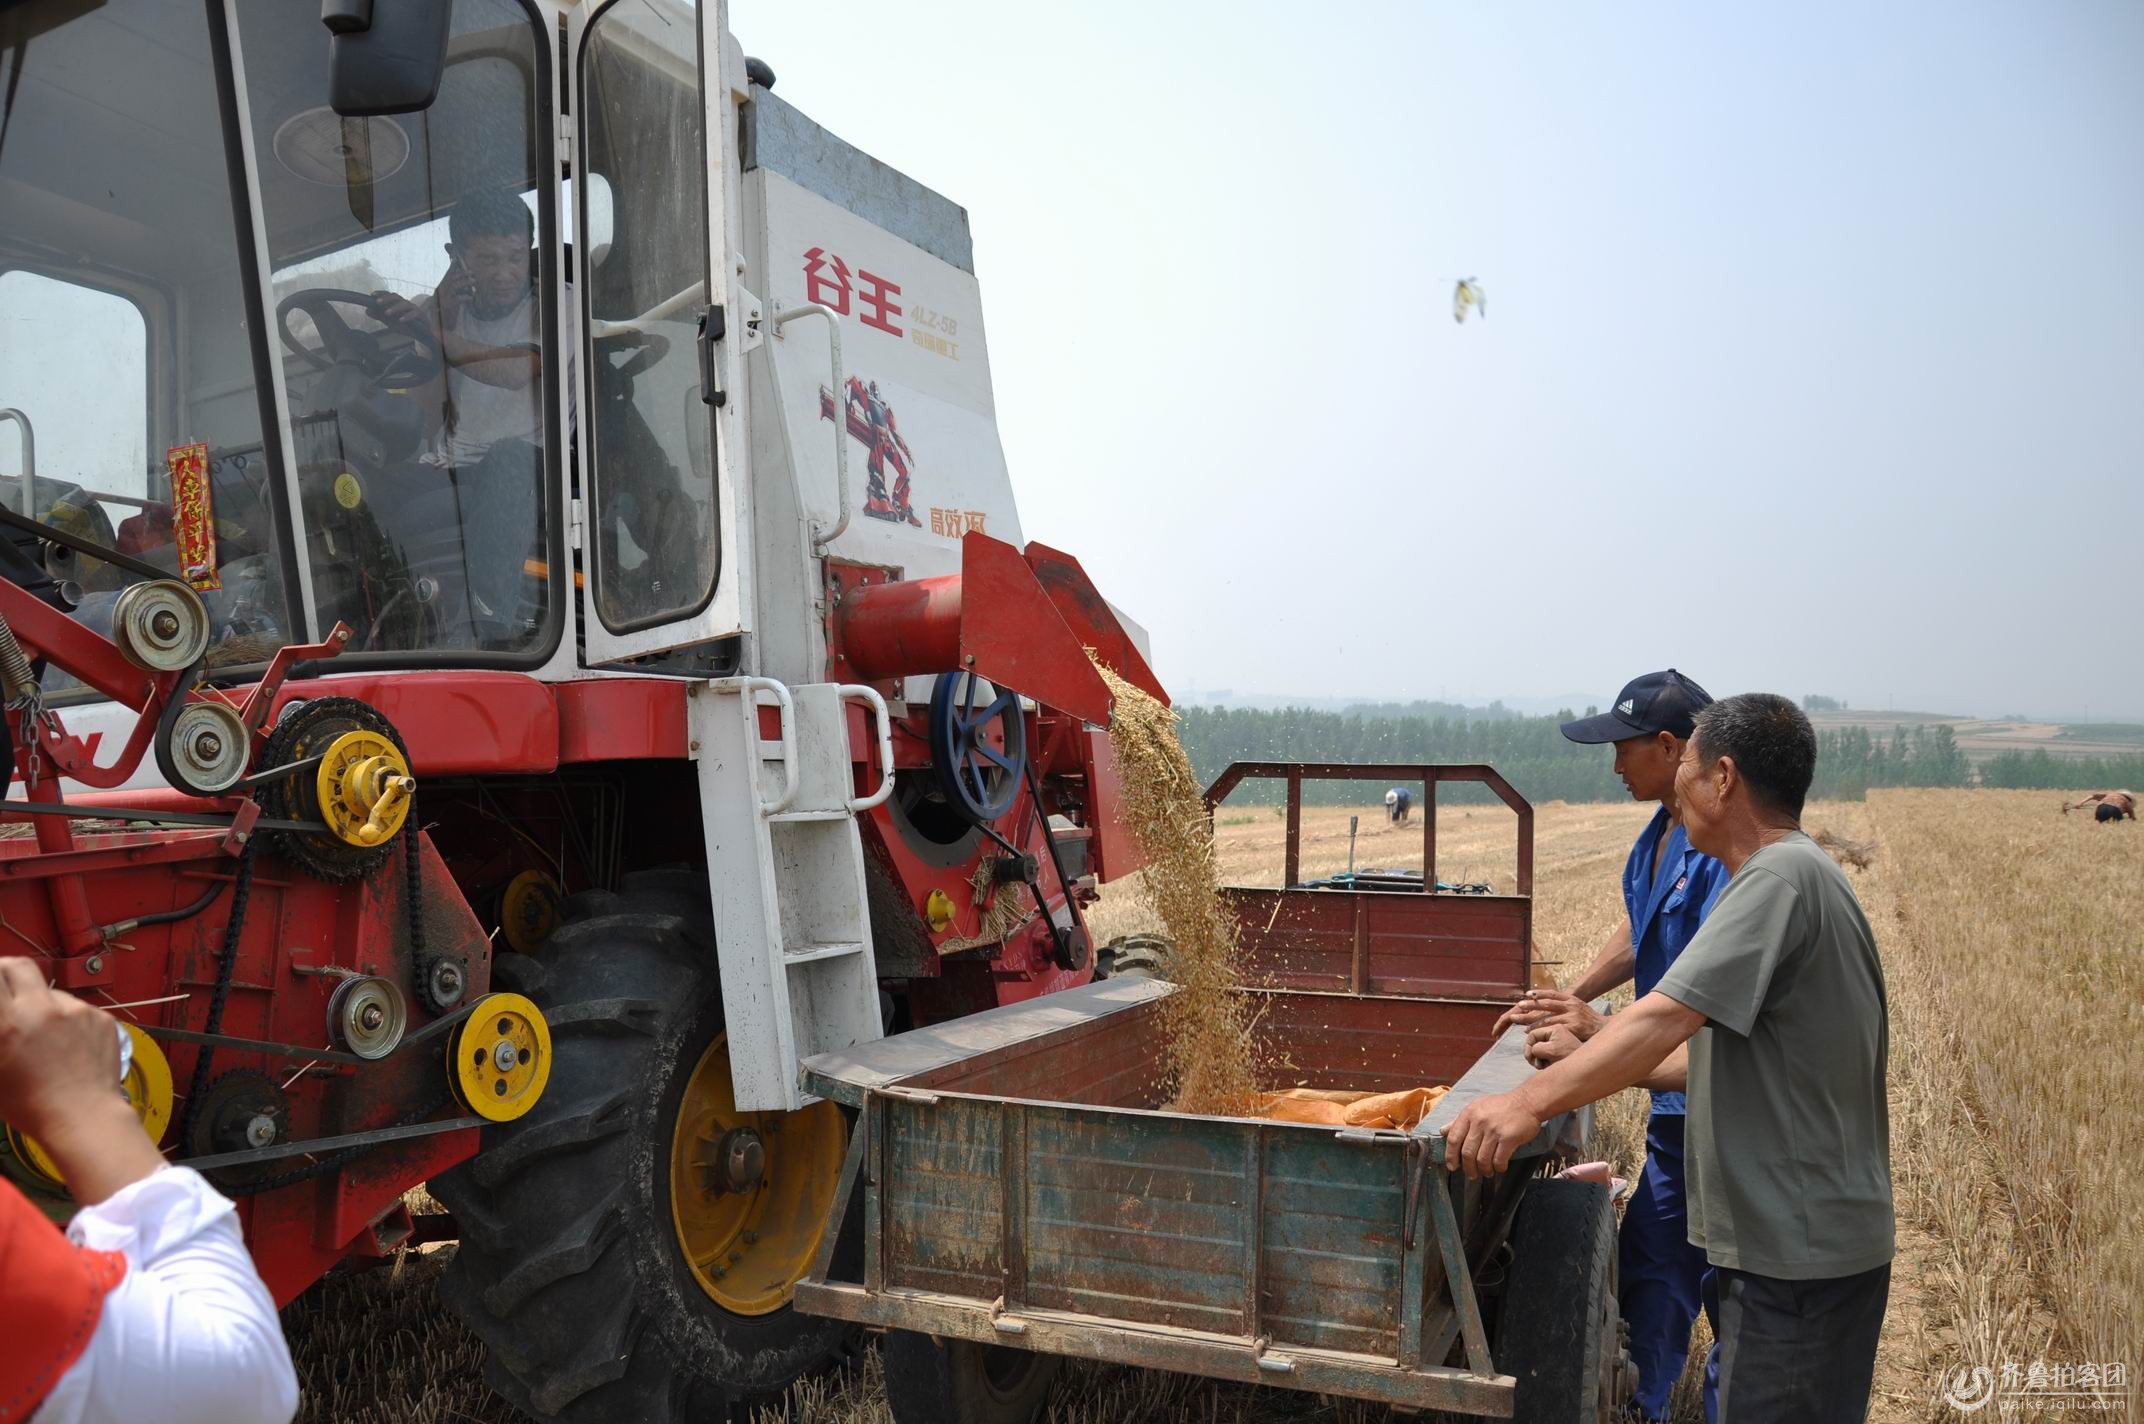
(994, 619)
(1091, 619)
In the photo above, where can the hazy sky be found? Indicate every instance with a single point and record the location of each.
(1814, 357)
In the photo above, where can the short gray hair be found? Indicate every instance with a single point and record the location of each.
(1771, 742)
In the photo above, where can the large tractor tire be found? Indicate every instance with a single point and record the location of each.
(629, 1247)
(934, 1381)
(1558, 1332)
(1136, 956)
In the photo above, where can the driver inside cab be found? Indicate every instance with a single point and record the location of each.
(490, 330)
(484, 422)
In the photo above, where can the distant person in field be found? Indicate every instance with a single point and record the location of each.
(1399, 805)
(1772, 1020)
(1668, 888)
(2106, 805)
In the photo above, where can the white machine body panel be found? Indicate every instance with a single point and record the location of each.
(925, 465)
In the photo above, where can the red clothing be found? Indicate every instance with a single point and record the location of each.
(51, 1296)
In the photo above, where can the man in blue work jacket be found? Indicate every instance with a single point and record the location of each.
(1668, 889)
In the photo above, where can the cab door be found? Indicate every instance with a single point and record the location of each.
(661, 418)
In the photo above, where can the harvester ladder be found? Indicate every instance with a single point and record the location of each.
(786, 864)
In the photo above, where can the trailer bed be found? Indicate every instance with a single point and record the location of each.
(1023, 1186)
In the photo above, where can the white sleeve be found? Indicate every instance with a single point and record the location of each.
(190, 1335)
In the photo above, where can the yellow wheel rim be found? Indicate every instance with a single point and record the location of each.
(502, 1057)
(748, 1235)
(528, 911)
(147, 1085)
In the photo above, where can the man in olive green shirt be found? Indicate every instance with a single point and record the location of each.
(1773, 1022)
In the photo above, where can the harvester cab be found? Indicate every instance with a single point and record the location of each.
(515, 630)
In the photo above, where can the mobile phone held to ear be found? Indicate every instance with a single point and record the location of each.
(460, 283)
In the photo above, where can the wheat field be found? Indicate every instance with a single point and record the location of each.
(2013, 942)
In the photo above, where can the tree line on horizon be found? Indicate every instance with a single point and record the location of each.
(1532, 753)
(2037, 771)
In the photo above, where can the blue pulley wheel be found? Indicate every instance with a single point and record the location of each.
(978, 745)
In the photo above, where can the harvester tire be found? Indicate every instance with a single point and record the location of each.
(570, 1268)
(934, 1381)
(1557, 1329)
(1135, 956)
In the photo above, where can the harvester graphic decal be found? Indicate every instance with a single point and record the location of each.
(871, 420)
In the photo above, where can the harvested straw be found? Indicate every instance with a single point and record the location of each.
(1001, 905)
(1208, 1026)
(244, 648)
(1856, 854)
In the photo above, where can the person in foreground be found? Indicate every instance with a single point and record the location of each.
(148, 1307)
(1668, 890)
(1772, 1021)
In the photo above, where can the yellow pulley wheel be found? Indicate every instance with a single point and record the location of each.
(147, 1085)
(501, 1058)
(364, 788)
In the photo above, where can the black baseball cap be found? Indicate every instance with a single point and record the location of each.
(1657, 702)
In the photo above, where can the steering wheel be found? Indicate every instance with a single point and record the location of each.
(977, 778)
(383, 363)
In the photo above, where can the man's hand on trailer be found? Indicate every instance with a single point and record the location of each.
(1613, 965)
(1553, 1008)
(1548, 1044)
(1641, 1047)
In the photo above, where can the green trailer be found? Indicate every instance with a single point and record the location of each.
(1017, 1192)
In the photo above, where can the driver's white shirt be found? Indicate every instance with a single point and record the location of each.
(483, 413)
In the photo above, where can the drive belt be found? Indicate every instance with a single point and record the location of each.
(161, 818)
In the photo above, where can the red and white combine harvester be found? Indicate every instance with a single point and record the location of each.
(516, 631)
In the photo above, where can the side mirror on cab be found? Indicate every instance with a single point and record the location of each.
(384, 58)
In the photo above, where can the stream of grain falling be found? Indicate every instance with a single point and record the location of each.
(1210, 1060)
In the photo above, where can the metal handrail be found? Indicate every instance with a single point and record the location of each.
(820, 538)
(29, 452)
(638, 325)
(858, 692)
(749, 689)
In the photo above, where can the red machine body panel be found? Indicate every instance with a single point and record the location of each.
(527, 775)
(297, 933)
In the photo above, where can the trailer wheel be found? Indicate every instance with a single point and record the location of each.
(934, 1381)
(618, 1261)
(1558, 1332)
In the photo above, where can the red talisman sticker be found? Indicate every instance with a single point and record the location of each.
(193, 515)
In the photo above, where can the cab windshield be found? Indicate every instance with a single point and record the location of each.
(410, 311)
(363, 354)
